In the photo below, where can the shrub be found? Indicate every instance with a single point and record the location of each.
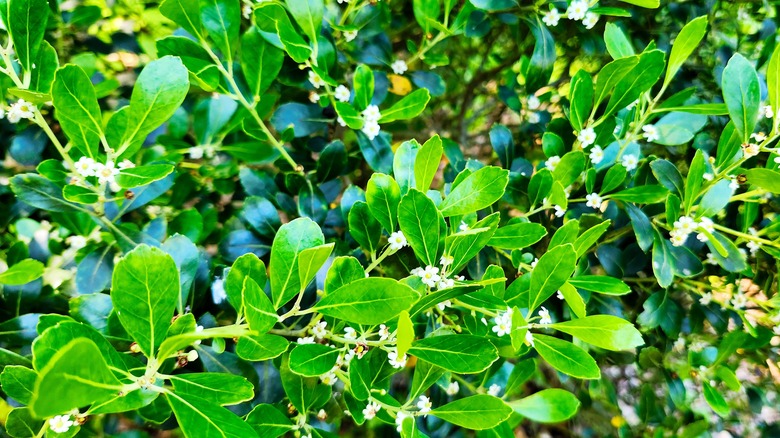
(308, 219)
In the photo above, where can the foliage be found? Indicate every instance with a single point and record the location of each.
(430, 218)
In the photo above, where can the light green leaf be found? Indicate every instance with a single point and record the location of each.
(368, 301)
(143, 175)
(246, 266)
(517, 235)
(260, 313)
(268, 422)
(547, 406)
(684, 44)
(22, 273)
(427, 163)
(465, 354)
(742, 94)
(18, 382)
(145, 289)
(650, 4)
(363, 227)
(292, 238)
(479, 190)
(422, 224)
(552, 270)
(185, 13)
(257, 348)
(349, 115)
(26, 26)
(581, 98)
(604, 331)
(601, 284)
(200, 418)
(77, 109)
(312, 360)
(465, 245)
(310, 261)
(766, 179)
(642, 194)
(589, 237)
(477, 412)
(308, 14)
(260, 61)
(343, 270)
(637, 81)
(573, 299)
(616, 41)
(773, 84)
(222, 22)
(363, 84)
(383, 196)
(404, 333)
(407, 108)
(218, 388)
(566, 357)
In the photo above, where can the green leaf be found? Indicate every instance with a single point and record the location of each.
(53, 338)
(773, 84)
(218, 388)
(427, 163)
(310, 261)
(464, 354)
(383, 196)
(77, 109)
(260, 313)
(407, 108)
(716, 198)
(566, 357)
(547, 406)
(363, 227)
(368, 301)
(404, 333)
(662, 262)
(477, 412)
(200, 418)
(65, 383)
(684, 44)
(18, 382)
(581, 97)
(22, 273)
(260, 61)
(142, 175)
(351, 117)
(257, 348)
(158, 92)
(604, 331)
(601, 284)
(26, 26)
(589, 237)
(742, 94)
(304, 393)
(610, 75)
(46, 65)
(273, 18)
(642, 194)
(542, 62)
(617, 43)
(268, 422)
(222, 22)
(668, 175)
(363, 84)
(552, 270)
(194, 57)
(422, 224)
(20, 423)
(477, 191)
(312, 360)
(343, 270)
(246, 266)
(716, 401)
(308, 14)
(145, 289)
(403, 164)
(292, 238)
(185, 13)
(733, 260)
(517, 235)
(766, 179)
(573, 299)
(425, 375)
(465, 245)
(694, 179)
(650, 4)
(636, 82)
(39, 192)
(79, 195)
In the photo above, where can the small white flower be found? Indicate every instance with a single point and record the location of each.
(329, 378)
(341, 121)
(371, 114)
(594, 201)
(759, 137)
(195, 152)
(417, 271)
(552, 162)
(753, 246)
(739, 301)
(126, 164)
(503, 323)
(533, 263)
(629, 162)
(425, 405)
(463, 226)
(590, 20)
(444, 284)
(544, 316)
(446, 260)
(306, 340)
(766, 110)
(399, 67)
(559, 211)
(577, 10)
(397, 241)
(315, 79)
(371, 129)
(533, 102)
(711, 260)
(314, 97)
(106, 173)
(247, 11)
(529, 338)
(218, 294)
(596, 154)
(319, 331)
(679, 345)
(430, 276)
(706, 298)
(685, 224)
(750, 150)
(494, 390)
(76, 242)
(708, 176)
(60, 423)
(587, 137)
(384, 332)
(192, 355)
(322, 415)
(552, 17)
(395, 361)
(371, 409)
(399, 420)
(650, 132)
(341, 93)
(677, 237)
(533, 117)
(350, 334)
(560, 296)
(85, 166)
(350, 35)
(19, 110)
(453, 388)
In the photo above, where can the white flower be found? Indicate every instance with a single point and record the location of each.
(529, 338)
(397, 241)
(708, 176)
(533, 263)
(60, 423)
(632, 105)
(446, 260)
(629, 162)
(322, 415)
(314, 97)
(341, 121)
(247, 11)
(560, 296)
(384, 332)
(315, 79)
(711, 260)
(463, 226)
(341, 93)
(19, 110)
(750, 149)
(590, 20)
(371, 129)
(739, 301)
(596, 154)
(192, 355)
(587, 137)
(399, 67)
(494, 390)
(552, 17)
(759, 137)
(76, 242)
(707, 225)
(371, 409)
(706, 298)
(195, 152)
(552, 162)
(533, 117)
(417, 271)
(395, 361)
(430, 276)
(306, 340)
(85, 166)
(453, 388)
(650, 132)
(753, 246)
(350, 35)
(218, 294)
(685, 224)
(399, 420)
(106, 173)
(544, 316)
(425, 405)
(533, 102)
(503, 323)
(766, 110)
(677, 237)
(679, 345)
(329, 378)
(444, 284)
(319, 331)
(594, 200)
(350, 334)
(577, 10)
(559, 211)
(126, 164)
(371, 114)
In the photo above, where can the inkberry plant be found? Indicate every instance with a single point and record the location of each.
(273, 229)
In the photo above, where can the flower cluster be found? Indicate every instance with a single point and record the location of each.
(686, 225)
(19, 110)
(371, 116)
(503, 322)
(105, 173)
(432, 276)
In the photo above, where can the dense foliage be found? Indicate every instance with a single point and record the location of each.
(428, 218)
